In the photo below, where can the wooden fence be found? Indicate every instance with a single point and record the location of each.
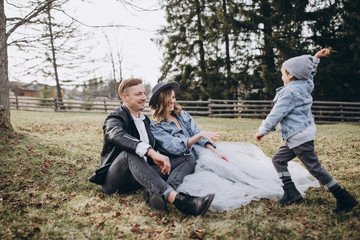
(324, 111)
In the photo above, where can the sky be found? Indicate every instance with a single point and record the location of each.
(141, 57)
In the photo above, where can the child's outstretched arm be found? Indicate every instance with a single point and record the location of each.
(322, 53)
(259, 136)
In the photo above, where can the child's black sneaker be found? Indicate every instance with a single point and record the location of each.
(291, 195)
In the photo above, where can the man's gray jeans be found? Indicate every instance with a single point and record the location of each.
(130, 172)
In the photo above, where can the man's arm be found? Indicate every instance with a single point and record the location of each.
(115, 133)
(161, 160)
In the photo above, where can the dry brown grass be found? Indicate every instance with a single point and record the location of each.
(45, 193)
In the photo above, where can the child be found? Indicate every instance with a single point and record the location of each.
(292, 109)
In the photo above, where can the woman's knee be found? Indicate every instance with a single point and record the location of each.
(190, 160)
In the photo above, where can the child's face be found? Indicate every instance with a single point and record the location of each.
(286, 77)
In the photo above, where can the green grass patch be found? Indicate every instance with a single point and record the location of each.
(45, 194)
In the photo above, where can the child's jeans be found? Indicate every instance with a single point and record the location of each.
(306, 153)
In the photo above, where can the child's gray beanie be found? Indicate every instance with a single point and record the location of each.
(300, 66)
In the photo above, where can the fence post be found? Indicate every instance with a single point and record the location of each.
(55, 105)
(105, 105)
(17, 102)
(342, 114)
(209, 106)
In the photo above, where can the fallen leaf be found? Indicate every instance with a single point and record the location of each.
(116, 214)
(99, 224)
(135, 227)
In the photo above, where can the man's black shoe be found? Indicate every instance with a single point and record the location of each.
(154, 200)
(193, 205)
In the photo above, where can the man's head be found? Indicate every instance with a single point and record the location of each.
(133, 94)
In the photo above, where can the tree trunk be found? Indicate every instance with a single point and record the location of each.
(58, 88)
(201, 42)
(229, 79)
(4, 79)
(269, 70)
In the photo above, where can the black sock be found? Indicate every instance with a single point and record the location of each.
(286, 180)
(334, 188)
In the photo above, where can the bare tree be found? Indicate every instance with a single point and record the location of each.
(14, 24)
(116, 59)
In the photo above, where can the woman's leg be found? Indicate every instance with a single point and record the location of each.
(180, 167)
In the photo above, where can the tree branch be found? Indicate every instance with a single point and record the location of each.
(35, 12)
(102, 26)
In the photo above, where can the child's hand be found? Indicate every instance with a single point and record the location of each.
(322, 53)
(259, 136)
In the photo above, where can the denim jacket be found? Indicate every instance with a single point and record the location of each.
(172, 140)
(292, 107)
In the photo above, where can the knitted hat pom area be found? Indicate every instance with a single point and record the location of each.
(301, 66)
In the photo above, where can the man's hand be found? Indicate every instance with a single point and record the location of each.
(322, 53)
(161, 160)
(258, 136)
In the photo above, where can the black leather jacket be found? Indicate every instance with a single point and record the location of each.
(120, 134)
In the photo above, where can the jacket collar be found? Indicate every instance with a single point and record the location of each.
(127, 111)
(146, 121)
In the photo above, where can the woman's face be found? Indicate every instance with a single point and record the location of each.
(172, 102)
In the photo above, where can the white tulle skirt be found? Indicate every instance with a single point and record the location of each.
(249, 175)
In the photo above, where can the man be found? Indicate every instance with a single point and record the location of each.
(129, 161)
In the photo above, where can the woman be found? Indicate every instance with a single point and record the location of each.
(236, 172)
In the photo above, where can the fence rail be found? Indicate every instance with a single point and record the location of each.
(324, 111)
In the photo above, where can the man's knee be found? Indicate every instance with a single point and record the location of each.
(126, 156)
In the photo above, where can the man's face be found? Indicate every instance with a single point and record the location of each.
(135, 97)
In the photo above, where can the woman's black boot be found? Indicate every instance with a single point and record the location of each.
(193, 205)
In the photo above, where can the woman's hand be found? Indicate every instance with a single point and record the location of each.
(211, 147)
(220, 155)
(322, 53)
(210, 136)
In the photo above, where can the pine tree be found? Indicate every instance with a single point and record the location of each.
(180, 38)
(336, 25)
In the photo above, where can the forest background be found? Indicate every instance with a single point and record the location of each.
(228, 49)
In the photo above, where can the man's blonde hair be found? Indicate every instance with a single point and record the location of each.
(124, 85)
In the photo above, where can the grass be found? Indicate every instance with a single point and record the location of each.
(45, 194)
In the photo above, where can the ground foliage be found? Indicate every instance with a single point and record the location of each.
(45, 194)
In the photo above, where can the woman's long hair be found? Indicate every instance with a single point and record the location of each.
(161, 105)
